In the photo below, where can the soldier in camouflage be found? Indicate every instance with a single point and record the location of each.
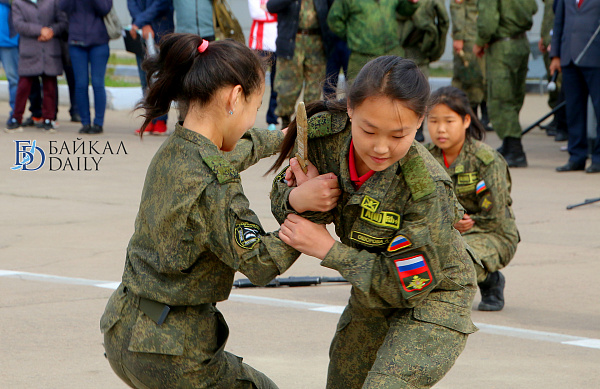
(194, 228)
(501, 34)
(482, 183)
(468, 69)
(369, 27)
(412, 276)
(303, 42)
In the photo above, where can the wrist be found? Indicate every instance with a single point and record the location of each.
(293, 201)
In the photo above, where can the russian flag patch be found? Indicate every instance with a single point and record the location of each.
(480, 187)
(414, 273)
(399, 242)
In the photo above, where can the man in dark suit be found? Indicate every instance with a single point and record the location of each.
(575, 23)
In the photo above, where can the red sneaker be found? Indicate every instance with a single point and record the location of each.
(148, 129)
(160, 128)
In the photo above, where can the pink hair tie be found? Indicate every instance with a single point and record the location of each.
(203, 46)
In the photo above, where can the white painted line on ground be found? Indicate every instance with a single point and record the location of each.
(335, 309)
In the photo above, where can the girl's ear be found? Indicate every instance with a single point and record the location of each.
(349, 110)
(467, 121)
(233, 96)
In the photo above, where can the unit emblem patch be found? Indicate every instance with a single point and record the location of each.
(247, 235)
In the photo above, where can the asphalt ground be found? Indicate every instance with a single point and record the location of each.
(64, 231)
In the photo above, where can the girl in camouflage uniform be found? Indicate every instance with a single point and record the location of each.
(194, 228)
(482, 183)
(413, 280)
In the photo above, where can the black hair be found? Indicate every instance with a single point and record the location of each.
(182, 74)
(457, 100)
(387, 76)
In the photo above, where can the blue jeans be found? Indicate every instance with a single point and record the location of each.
(86, 60)
(9, 56)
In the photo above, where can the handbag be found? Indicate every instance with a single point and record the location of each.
(113, 25)
(225, 23)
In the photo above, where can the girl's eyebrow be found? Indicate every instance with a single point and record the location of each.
(371, 125)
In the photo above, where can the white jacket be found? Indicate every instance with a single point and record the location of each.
(263, 32)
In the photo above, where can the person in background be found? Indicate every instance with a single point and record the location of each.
(88, 47)
(303, 43)
(370, 28)
(575, 23)
(482, 184)
(9, 54)
(468, 70)
(502, 27)
(263, 34)
(151, 17)
(39, 26)
(195, 17)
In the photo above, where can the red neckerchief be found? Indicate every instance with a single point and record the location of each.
(356, 180)
(445, 160)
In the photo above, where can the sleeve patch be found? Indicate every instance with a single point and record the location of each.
(280, 177)
(486, 202)
(247, 235)
(398, 243)
(413, 273)
(481, 187)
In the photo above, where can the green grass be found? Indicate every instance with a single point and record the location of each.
(122, 60)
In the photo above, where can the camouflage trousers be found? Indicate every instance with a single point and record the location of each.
(494, 251)
(506, 73)
(307, 68)
(186, 351)
(468, 74)
(358, 60)
(390, 349)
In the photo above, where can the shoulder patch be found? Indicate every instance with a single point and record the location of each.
(325, 123)
(485, 156)
(417, 177)
(247, 234)
(222, 168)
(413, 273)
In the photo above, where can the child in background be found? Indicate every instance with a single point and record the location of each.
(194, 228)
(482, 184)
(412, 276)
(39, 25)
(263, 34)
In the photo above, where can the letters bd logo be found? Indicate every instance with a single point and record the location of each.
(28, 156)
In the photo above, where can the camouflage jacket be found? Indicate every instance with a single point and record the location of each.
(398, 246)
(482, 184)
(547, 22)
(369, 26)
(500, 19)
(464, 19)
(194, 228)
(426, 29)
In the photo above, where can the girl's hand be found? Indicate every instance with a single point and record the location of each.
(318, 194)
(465, 224)
(305, 236)
(296, 177)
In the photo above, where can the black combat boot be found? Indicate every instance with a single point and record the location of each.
(512, 150)
(492, 292)
(485, 119)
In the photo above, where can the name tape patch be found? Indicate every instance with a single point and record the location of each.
(368, 240)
